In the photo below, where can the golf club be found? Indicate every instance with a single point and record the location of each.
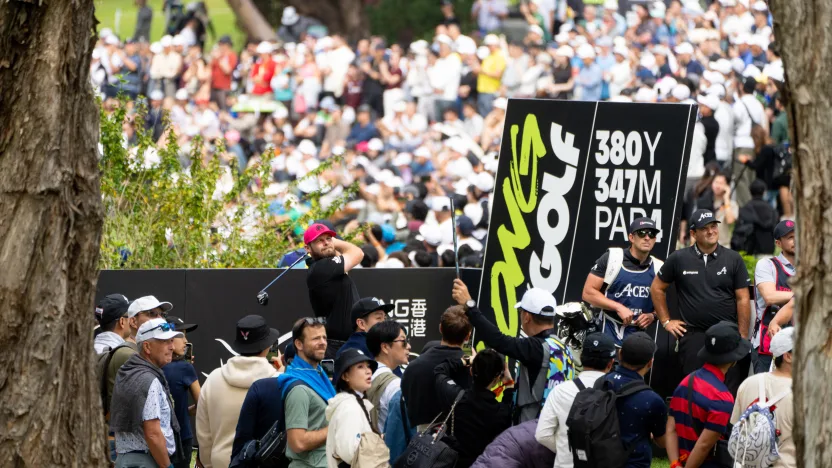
(263, 296)
(456, 247)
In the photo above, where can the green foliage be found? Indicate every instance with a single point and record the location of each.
(750, 264)
(161, 216)
(409, 20)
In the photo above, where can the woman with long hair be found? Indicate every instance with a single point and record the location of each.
(348, 412)
(764, 165)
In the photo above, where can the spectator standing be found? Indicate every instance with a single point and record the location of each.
(747, 112)
(772, 291)
(710, 104)
(220, 399)
(182, 381)
(590, 79)
(544, 362)
(144, 19)
(755, 223)
(388, 342)
(724, 116)
(712, 286)
(489, 15)
(146, 430)
(478, 416)
(223, 63)
(335, 65)
(701, 406)
(331, 290)
(726, 212)
(775, 384)
(348, 412)
(113, 323)
(597, 358)
(305, 404)
(365, 313)
(165, 68)
(444, 77)
(417, 384)
(642, 416)
(619, 283)
(263, 70)
(490, 75)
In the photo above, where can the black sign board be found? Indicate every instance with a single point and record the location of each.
(572, 176)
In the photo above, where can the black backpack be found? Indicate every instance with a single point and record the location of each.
(782, 161)
(593, 431)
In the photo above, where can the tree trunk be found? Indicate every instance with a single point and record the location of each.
(346, 17)
(252, 21)
(50, 228)
(802, 29)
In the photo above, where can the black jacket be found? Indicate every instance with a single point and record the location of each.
(753, 231)
(478, 417)
(418, 386)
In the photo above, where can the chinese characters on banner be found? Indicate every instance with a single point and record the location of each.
(411, 314)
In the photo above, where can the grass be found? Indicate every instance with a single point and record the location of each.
(120, 16)
(660, 463)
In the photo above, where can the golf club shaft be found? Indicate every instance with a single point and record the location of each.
(456, 247)
(303, 257)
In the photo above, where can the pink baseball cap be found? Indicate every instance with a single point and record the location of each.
(315, 231)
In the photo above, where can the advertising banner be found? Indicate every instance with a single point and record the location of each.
(572, 176)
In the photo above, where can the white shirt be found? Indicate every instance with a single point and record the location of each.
(620, 76)
(445, 75)
(155, 407)
(696, 166)
(394, 386)
(746, 109)
(725, 138)
(551, 428)
(338, 60)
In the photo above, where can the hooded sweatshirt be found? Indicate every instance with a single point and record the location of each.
(346, 424)
(219, 406)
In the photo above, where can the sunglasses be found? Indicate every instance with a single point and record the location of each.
(646, 233)
(406, 341)
(297, 330)
(165, 327)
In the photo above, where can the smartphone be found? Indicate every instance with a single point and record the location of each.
(189, 351)
(329, 367)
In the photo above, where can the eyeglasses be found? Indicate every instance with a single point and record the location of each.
(405, 340)
(165, 327)
(154, 313)
(646, 233)
(297, 330)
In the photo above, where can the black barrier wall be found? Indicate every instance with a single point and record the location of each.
(216, 299)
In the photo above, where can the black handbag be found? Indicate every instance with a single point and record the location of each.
(268, 452)
(429, 449)
(719, 454)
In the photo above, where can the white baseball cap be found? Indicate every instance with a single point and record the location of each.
(430, 233)
(680, 92)
(646, 95)
(422, 152)
(403, 159)
(466, 46)
(156, 95)
(759, 5)
(611, 4)
(484, 182)
(112, 40)
(181, 94)
(166, 41)
(307, 147)
(536, 29)
(264, 48)
(375, 145)
(713, 77)
(684, 48)
(586, 51)
(145, 303)
(491, 40)
(156, 329)
(622, 51)
(444, 39)
(501, 103)
(708, 100)
(717, 90)
(483, 52)
(783, 342)
(722, 65)
(538, 301)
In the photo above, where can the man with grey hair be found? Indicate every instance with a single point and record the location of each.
(142, 418)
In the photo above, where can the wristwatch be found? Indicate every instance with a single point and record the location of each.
(470, 304)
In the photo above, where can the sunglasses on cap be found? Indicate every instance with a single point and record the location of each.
(646, 233)
(297, 330)
(166, 327)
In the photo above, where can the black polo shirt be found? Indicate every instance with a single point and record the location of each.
(706, 284)
(332, 294)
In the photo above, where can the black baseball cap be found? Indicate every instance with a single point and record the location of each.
(643, 223)
(111, 308)
(368, 305)
(225, 39)
(349, 358)
(783, 228)
(724, 344)
(465, 225)
(253, 335)
(180, 324)
(598, 345)
(701, 218)
(637, 349)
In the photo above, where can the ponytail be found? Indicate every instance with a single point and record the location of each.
(360, 400)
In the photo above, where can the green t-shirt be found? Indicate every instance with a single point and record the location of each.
(305, 410)
(780, 129)
(119, 358)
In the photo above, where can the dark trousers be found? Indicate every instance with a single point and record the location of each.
(689, 346)
(762, 362)
(187, 450)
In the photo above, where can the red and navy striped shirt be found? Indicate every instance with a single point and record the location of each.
(712, 407)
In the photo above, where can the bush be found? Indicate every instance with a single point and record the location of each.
(207, 216)
(408, 20)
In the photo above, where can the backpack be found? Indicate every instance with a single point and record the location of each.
(753, 440)
(102, 363)
(558, 363)
(782, 162)
(270, 450)
(593, 430)
(375, 393)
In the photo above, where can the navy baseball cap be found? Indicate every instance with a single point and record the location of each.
(598, 345)
(465, 225)
(701, 218)
(643, 223)
(111, 308)
(783, 228)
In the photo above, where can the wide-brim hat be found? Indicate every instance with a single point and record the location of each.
(350, 358)
(724, 344)
(253, 335)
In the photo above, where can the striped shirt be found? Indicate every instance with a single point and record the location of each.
(712, 406)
